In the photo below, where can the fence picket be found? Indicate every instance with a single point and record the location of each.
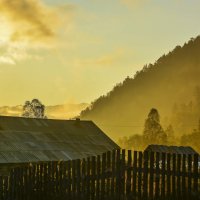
(189, 184)
(113, 178)
(98, 177)
(196, 176)
(135, 163)
(78, 178)
(93, 175)
(184, 176)
(174, 176)
(128, 179)
(168, 175)
(108, 173)
(140, 175)
(118, 174)
(88, 179)
(83, 179)
(178, 176)
(145, 175)
(151, 178)
(114, 175)
(103, 168)
(69, 179)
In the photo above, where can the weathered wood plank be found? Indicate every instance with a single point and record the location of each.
(145, 175)
(113, 178)
(151, 178)
(140, 175)
(168, 175)
(128, 179)
(157, 176)
(174, 190)
(135, 163)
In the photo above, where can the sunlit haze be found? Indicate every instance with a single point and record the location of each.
(74, 51)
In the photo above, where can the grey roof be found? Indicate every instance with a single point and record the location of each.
(31, 140)
(171, 149)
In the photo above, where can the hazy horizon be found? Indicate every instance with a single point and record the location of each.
(75, 51)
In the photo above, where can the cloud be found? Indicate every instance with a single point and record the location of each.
(31, 20)
(102, 61)
(29, 25)
(6, 60)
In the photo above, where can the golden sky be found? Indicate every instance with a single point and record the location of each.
(76, 50)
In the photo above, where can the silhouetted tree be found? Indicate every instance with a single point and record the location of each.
(153, 131)
(34, 109)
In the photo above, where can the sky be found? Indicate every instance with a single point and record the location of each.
(73, 51)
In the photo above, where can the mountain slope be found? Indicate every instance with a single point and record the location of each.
(171, 80)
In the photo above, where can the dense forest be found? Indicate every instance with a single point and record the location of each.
(171, 85)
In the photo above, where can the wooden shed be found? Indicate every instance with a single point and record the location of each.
(171, 149)
(27, 140)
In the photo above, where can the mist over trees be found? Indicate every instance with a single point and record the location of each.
(153, 131)
(171, 85)
(34, 109)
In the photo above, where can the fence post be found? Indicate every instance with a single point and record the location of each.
(145, 175)
(118, 174)
(103, 176)
(196, 176)
(113, 174)
(151, 178)
(163, 175)
(83, 179)
(140, 169)
(78, 178)
(174, 188)
(45, 191)
(108, 172)
(183, 176)
(135, 170)
(69, 182)
(179, 176)
(93, 177)
(122, 174)
(128, 179)
(98, 177)
(74, 179)
(157, 185)
(88, 179)
(168, 175)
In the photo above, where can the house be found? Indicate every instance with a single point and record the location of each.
(186, 150)
(26, 140)
(171, 149)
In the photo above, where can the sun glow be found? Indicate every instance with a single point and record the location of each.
(5, 31)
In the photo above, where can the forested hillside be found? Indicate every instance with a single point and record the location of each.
(170, 85)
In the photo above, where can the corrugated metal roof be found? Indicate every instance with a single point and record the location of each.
(171, 149)
(31, 140)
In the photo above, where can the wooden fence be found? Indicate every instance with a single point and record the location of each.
(116, 175)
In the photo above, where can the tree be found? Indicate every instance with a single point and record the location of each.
(153, 132)
(34, 109)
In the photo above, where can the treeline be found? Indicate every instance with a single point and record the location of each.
(171, 85)
(153, 133)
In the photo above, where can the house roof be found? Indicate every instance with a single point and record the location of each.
(25, 140)
(171, 149)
